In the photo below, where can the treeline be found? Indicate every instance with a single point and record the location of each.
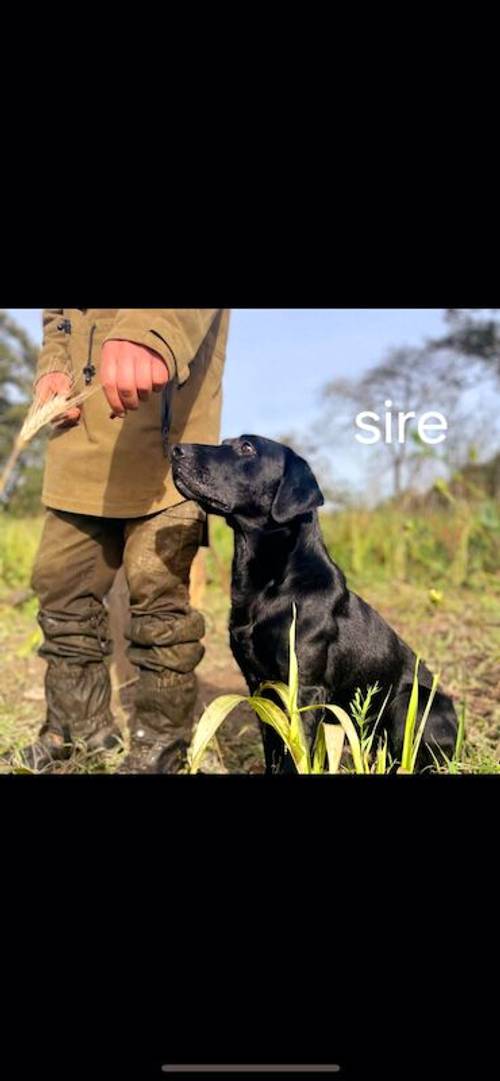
(20, 489)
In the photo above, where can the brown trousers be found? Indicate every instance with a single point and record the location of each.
(76, 564)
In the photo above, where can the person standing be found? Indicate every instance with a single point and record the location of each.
(110, 501)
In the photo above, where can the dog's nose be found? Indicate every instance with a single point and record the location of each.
(177, 451)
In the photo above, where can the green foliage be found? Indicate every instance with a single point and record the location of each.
(18, 545)
(367, 757)
(474, 333)
(25, 496)
(412, 738)
(450, 545)
(440, 544)
(18, 358)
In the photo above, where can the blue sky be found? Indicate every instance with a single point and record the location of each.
(279, 358)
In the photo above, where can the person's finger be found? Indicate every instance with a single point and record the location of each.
(69, 419)
(108, 381)
(44, 391)
(159, 373)
(143, 375)
(125, 380)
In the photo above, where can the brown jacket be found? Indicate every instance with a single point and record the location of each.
(118, 468)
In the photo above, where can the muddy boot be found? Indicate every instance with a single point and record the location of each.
(148, 754)
(51, 746)
(79, 719)
(161, 727)
(79, 703)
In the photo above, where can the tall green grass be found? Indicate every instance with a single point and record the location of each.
(451, 546)
(19, 539)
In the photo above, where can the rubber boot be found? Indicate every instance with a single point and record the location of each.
(162, 723)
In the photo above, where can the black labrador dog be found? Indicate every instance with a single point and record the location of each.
(269, 496)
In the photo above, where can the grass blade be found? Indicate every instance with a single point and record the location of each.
(271, 714)
(297, 735)
(208, 724)
(411, 717)
(445, 762)
(423, 722)
(319, 752)
(371, 738)
(384, 703)
(351, 734)
(349, 729)
(381, 758)
(334, 737)
(280, 689)
(457, 757)
(293, 668)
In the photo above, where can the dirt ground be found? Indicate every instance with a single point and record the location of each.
(460, 638)
(236, 750)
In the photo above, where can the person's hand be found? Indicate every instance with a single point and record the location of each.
(129, 374)
(57, 383)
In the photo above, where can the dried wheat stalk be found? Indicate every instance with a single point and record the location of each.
(42, 413)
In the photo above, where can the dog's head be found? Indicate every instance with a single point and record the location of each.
(249, 478)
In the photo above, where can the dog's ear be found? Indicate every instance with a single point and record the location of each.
(298, 491)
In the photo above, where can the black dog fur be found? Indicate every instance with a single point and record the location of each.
(269, 496)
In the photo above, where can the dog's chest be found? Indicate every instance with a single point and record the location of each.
(241, 639)
(257, 646)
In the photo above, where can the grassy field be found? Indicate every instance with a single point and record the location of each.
(435, 576)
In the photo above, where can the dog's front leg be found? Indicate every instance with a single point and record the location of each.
(276, 756)
(312, 696)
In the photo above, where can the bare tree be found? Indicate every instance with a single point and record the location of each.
(412, 380)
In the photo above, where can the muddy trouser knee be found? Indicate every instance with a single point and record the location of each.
(165, 632)
(75, 567)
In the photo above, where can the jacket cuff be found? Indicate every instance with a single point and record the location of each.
(53, 360)
(50, 370)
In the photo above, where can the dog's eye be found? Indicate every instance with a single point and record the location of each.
(247, 448)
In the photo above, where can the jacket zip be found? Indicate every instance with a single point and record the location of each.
(89, 370)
